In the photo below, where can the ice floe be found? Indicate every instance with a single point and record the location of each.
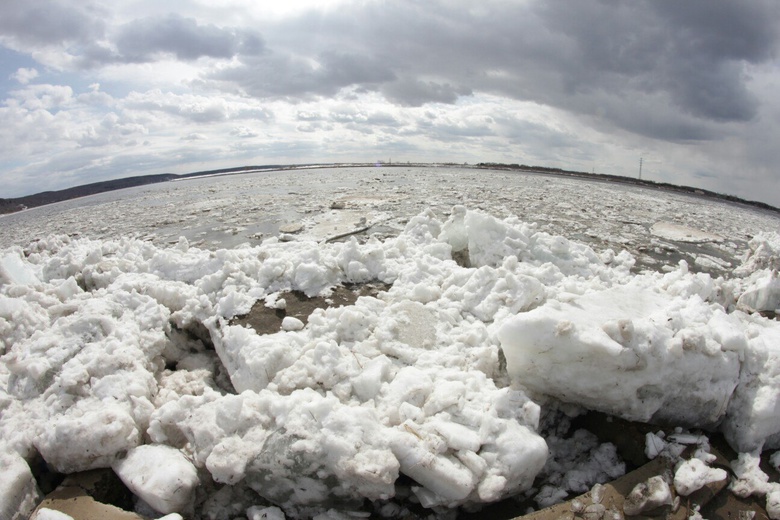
(117, 352)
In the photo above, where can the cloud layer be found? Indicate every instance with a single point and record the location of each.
(95, 89)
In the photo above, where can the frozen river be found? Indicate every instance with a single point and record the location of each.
(226, 211)
(196, 324)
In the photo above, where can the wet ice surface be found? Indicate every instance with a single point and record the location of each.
(324, 204)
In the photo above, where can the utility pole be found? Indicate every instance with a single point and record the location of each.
(640, 168)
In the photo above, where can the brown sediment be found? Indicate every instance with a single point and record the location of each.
(91, 495)
(266, 320)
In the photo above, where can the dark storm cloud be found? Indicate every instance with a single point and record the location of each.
(693, 52)
(665, 69)
(533, 134)
(79, 28)
(45, 22)
(415, 93)
(278, 74)
(724, 29)
(185, 38)
(688, 55)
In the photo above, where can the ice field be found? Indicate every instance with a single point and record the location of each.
(505, 302)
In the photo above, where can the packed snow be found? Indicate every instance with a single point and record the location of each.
(121, 352)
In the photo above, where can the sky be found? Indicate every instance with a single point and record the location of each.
(95, 90)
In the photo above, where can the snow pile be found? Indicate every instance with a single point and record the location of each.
(108, 354)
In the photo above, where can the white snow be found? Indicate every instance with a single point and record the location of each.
(409, 382)
(692, 475)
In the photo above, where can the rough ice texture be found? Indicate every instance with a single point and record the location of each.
(19, 493)
(773, 502)
(660, 347)
(406, 383)
(633, 350)
(575, 464)
(161, 476)
(648, 495)
(692, 475)
(764, 295)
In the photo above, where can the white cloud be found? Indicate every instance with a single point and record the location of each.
(243, 132)
(43, 97)
(194, 136)
(198, 108)
(24, 75)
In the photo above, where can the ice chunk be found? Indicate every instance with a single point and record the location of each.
(680, 233)
(13, 270)
(775, 460)
(764, 253)
(751, 480)
(631, 351)
(694, 474)
(773, 501)
(654, 445)
(161, 476)
(454, 231)
(290, 323)
(441, 475)
(19, 493)
(648, 495)
(763, 294)
(754, 410)
(93, 439)
(368, 382)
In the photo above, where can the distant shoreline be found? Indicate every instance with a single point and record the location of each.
(632, 181)
(13, 205)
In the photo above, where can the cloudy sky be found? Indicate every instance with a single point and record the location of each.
(92, 90)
